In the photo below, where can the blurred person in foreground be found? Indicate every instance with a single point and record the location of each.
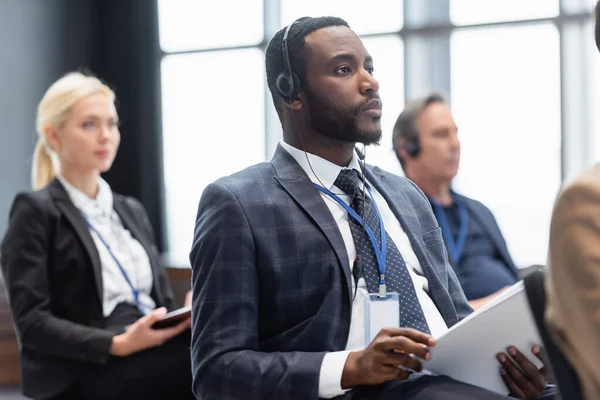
(573, 278)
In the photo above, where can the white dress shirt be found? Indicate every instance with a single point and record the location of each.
(326, 174)
(131, 254)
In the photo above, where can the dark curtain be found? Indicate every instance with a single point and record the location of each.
(125, 54)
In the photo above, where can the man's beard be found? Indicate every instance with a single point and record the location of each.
(338, 123)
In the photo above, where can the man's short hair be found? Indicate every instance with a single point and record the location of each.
(295, 42)
(406, 124)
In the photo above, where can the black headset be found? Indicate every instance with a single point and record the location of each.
(288, 83)
(413, 148)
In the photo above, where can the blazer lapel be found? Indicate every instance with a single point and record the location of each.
(297, 184)
(73, 215)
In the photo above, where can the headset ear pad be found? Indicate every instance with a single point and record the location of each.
(412, 148)
(288, 85)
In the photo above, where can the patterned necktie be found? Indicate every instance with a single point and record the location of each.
(397, 277)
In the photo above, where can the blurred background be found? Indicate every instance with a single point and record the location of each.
(521, 77)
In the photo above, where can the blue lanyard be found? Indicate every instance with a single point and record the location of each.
(380, 252)
(455, 245)
(136, 293)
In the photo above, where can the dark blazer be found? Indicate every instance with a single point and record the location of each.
(53, 275)
(486, 219)
(272, 285)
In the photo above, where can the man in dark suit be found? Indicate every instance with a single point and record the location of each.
(282, 267)
(426, 142)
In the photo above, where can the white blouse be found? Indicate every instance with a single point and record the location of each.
(127, 250)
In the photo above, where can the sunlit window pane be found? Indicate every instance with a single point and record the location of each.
(463, 12)
(197, 24)
(506, 101)
(372, 17)
(210, 129)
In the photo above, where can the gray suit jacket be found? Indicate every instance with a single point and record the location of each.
(271, 280)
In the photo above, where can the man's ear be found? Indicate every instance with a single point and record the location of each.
(296, 104)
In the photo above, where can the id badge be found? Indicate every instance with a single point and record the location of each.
(380, 313)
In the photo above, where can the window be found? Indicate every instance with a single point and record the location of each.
(506, 102)
(213, 125)
(193, 24)
(504, 83)
(203, 88)
(466, 12)
(378, 17)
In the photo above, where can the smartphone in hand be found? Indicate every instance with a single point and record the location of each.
(173, 318)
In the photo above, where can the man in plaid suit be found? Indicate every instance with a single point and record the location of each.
(278, 309)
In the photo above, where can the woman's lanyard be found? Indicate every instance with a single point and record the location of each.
(380, 252)
(454, 245)
(136, 293)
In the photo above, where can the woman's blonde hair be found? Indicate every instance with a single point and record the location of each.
(53, 110)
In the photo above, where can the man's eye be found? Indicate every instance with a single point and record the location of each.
(343, 70)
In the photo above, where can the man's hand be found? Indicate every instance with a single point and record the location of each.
(525, 384)
(386, 357)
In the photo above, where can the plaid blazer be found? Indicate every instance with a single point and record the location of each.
(271, 281)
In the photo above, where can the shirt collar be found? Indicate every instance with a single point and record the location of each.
(100, 206)
(326, 171)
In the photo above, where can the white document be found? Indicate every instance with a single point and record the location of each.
(467, 351)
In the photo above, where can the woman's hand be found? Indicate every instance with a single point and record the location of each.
(140, 335)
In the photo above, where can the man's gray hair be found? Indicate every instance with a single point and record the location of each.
(406, 124)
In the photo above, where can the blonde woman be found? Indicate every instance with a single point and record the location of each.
(80, 265)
